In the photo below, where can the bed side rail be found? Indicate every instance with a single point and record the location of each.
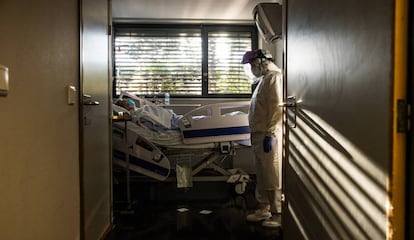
(217, 122)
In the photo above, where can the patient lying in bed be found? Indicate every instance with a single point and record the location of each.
(150, 115)
(158, 118)
(209, 123)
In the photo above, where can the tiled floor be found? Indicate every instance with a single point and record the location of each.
(167, 223)
(205, 211)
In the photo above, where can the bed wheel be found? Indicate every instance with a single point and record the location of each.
(240, 188)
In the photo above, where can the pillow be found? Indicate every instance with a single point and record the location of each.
(116, 109)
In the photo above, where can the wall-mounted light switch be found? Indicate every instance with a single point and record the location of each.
(71, 95)
(4, 80)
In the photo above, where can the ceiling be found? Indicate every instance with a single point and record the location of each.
(185, 10)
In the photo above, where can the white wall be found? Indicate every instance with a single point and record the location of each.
(39, 143)
(205, 10)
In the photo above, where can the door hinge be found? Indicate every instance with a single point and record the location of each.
(409, 119)
(403, 116)
(109, 30)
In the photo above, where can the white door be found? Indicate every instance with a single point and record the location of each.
(96, 123)
(340, 68)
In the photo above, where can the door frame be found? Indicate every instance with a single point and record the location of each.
(409, 218)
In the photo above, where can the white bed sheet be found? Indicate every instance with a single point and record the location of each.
(167, 138)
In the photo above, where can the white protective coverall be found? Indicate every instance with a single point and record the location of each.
(265, 119)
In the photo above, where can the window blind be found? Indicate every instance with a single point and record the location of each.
(149, 62)
(225, 73)
(153, 61)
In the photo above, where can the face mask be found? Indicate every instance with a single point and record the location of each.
(257, 71)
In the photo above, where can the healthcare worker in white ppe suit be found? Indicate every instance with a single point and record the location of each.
(265, 119)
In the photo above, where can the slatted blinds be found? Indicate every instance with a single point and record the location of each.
(183, 62)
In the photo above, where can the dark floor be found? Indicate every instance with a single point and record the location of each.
(209, 211)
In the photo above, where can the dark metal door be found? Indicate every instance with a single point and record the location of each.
(339, 67)
(96, 170)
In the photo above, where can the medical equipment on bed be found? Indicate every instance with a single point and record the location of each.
(161, 142)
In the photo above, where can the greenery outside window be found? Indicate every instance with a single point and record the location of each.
(185, 61)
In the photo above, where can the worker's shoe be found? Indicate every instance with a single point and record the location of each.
(259, 215)
(273, 222)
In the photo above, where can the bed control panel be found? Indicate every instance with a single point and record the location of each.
(4, 80)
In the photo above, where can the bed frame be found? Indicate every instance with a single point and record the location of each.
(217, 126)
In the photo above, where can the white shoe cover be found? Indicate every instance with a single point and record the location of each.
(271, 224)
(259, 215)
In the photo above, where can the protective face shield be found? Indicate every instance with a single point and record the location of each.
(248, 71)
(255, 58)
(256, 67)
(256, 72)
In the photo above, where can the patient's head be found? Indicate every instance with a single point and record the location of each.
(127, 104)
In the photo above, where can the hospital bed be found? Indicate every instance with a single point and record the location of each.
(161, 145)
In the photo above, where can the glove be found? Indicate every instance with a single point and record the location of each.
(268, 143)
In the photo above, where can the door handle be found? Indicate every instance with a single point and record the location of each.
(91, 103)
(291, 108)
(88, 101)
(290, 103)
